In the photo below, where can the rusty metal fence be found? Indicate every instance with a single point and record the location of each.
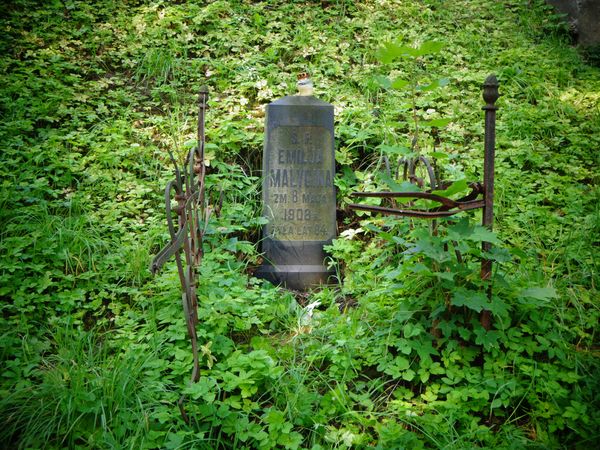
(188, 190)
(480, 197)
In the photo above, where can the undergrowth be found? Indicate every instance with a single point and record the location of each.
(94, 350)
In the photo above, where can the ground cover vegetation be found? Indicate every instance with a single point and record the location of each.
(94, 350)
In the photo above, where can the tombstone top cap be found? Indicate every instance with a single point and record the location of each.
(301, 100)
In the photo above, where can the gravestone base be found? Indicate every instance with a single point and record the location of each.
(295, 265)
(297, 277)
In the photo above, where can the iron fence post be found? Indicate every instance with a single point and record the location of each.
(490, 95)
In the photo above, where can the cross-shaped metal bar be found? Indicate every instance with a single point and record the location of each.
(188, 189)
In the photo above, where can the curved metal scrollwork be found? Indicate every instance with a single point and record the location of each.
(480, 197)
(410, 172)
(188, 190)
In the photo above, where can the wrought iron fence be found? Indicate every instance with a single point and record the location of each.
(480, 197)
(187, 232)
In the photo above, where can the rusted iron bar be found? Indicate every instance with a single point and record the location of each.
(188, 189)
(424, 195)
(430, 214)
(410, 172)
(490, 96)
(447, 203)
(463, 204)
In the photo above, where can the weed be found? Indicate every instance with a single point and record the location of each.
(93, 350)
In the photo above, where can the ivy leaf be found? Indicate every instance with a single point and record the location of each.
(477, 233)
(424, 348)
(447, 327)
(482, 234)
(460, 229)
(438, 123)
(458, 187)
(395, 150)
(401, 363)
(404, 346)
(539, 293)
(408, 375)
(476, 301)
(395, 367)
(411, 330)
(394, 186)
(388, 53)
(274, 418)
(174, 441)
(399, 83)
(464, 333)
(498, 307)
(231, 244)
(431, 246)
(439, 155)
(421, 269)
(488, 339)
(516, 251)
(445, 275)
(429, 48)
(433, 85)
(392, 51)
(498, 254)
(383, 81)
(204, 389)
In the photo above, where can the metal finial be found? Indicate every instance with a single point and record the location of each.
(203, 97)
(490, 90)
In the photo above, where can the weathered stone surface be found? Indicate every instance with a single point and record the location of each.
(584, 17)
(298, 192)
(589, 22)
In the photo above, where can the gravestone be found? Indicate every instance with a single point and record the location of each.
(584, 18)
(298, 191)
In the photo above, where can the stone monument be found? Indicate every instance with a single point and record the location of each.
(584, 18)
(298, 192)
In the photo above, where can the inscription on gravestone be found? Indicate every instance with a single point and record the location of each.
(298, 192)
(298, 182)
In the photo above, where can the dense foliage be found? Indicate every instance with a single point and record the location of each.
(94, 350)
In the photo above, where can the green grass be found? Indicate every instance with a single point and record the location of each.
(94, 350)
(79, 393)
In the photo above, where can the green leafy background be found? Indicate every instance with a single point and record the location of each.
(94, 350)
